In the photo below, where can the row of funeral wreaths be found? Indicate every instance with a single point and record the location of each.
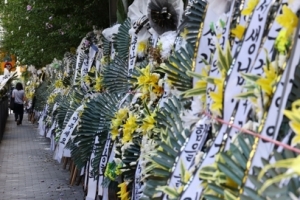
(164, 107)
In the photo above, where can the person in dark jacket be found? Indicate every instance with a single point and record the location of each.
(12, 102)
(19, 98)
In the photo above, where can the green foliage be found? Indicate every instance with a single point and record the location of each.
(49, 28)
(94, 121)
(274, 176)
(121, 13)
(170, 135)
(177, 66)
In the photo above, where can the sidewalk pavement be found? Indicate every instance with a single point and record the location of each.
(27, 169)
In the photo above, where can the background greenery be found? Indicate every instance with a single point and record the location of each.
(49, 28)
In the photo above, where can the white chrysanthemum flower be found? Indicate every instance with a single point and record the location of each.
(189, 118)
(117, 161)
(126, 146)
(281, 60)
(166, 43)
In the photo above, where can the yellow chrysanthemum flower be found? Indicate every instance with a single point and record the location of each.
(115, 123)
(282, 41)
(58, 84)
(250, 7)
(266, 83)
(294, 116)
(187, 176)
(238, 31)
(93, 69)
(98, 85)
(87, 79)
(146, 70)
(141, 80)
(128, 128)
(184, 33)
(153, 79)
(114, 133)
(148, 123)
(148, 82)
(80, 113)
(131, 122)
(288, 20)
(142, 47)
(217, 97)
(51, 98)
(122, 113)
(123, 193)
(127, 135)
(202, 83)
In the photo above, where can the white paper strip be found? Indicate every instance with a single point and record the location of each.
(103, 162)
(245, 58)
(132, 53)
(137, 185)
(245, 106)
(250, 46)
(67, 132)
(92, 183)
(243, 22)
(214, 71)
(86, 175)
(82, 171)
(111, 158)
(54, 107)
(42, 125)
(77, 68)
(207, 45)
(188, 155)
(279, 100)
(49, 132)
(67, 153)
(87, 63)
(52, 143)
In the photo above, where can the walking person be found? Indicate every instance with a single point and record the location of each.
(19, 97)
(12, 103)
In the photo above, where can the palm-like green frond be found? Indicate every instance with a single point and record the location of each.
(94, 121)
(194, 17)
(122, 40)
(115, 76)
(225, 176)
(67, 106)
(276, 190)
(62, 111)
(42, 93)
(177, 66)
(80, 57)
(98, 150)
(170, 139)
(293, 96)
(81, 149)
(130, 160)
(106, 46)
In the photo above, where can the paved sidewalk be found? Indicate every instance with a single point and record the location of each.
(27, 170)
